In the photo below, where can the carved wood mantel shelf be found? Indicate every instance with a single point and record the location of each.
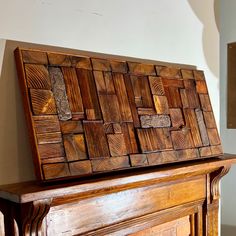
(137, 202)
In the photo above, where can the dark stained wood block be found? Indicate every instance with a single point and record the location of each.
(209, 119)
(101, 64)
(155, 121)
(112, 163)
(56, 170)
(182, 139)
(88, 91)
(202, 127)
(187, 74)
(44, 138)
(123, 101)
(191, 122)
(80, 167)
(213, 136)
(46, 124)
(51, 150)
(169, 72)
(87, 115)
(198, 75)
(201, 86)
(156, 85)
(81, 62)
(37, 77)
(141, 69)
(72, 90)
(176, 117)
(58, 59)
(75, 147)
(117, 144)
(138, 160)
(71, 127)
(96, 139)
(119, 66)
(161, 104)
(35, 57)
(59, 92)
(43, 102)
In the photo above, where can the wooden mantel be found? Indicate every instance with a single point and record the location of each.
(137, 202)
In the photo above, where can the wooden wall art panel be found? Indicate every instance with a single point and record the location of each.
(88, 115)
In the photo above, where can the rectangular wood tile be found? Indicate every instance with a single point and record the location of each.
(188, 154)
(190, 84)
(141, 69)
(88, 91)
(146, 111)
(189, 98)
(51, 150)
(43, 102)
(172, 83)
(155, 121)
(156, 85)
(73, 90)
(169, 156)
(37, 77)
(187, 74)
(35, 57)
(80, 167)
(176, 117)
(209, 119)
(112, 163)
(205, 102)
(182, 139)
(161, 104)
(59, 92)
(169, 72)
(173, 97)
(44, 138)
(96, 139)
(81, 62)
(217, 150)
(198, 75)
(117, 128)
(213, 136)
(119, 66)
(110, 108)
(58, 59)
(101, 64)
(53, 160)
(75, 147)
(191, 122)
(46, 124)
(123, 101)
(56, 170)
(163, 138)
(117, 144)
(138, 160)
(202, 127)
(155, 158)
(201, 86)
(205, 151)
(71, 127)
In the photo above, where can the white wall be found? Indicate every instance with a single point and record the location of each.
(227, 35)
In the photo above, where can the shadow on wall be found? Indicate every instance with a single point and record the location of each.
(208, 40)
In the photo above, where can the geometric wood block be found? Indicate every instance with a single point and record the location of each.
(51, 150)
(119, 66)
(37, 77)
(205, 102)
(213, 136)
(141, 69)
(182, 139)
(209, 119)
(55, 170)
(116, 144)
(154, 158)
(201, 86)
(75, 147)
(189, 98)
(57, 59)
(173, 97)
(80, 167)
(187, 74)
(155, 121)
(101, 64)
(138, 160)
(42, 102)
(156, 85)
(217, 150)
(198, 75)
(170, 72)
(161, 104)
(188, 154)
(49, 138)
(71, 127)
(36, 57)
(46, 124)
(176, 117)
(81, 62)
(163, 138)
(205, 151)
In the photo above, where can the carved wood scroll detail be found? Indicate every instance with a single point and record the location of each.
(89, 115)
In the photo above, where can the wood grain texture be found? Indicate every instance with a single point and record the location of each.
(112, 163)
(43, 102)
(117, 144)
(73, 90)
(46, 124)
(44, 138)
(205, 102)
(182, 139)
(58, 170)
(96, 139)
(138, 160)
(156, 85)
(58, 59)
(71, 127)
(187, 74)
(202, 127)
(123, 101)
(205, 151)
(88, 91)
(51, 150)
(188, 154)
(213, 136)
(161, 104)
(189, 98)
(172, 83)
(101, 64)
(209, 119)
(35, 57)
(201, 86)
(155, 121)
(146, 111)
(75, 147)
(104, 82)
(191, 122)
(59, 91)
(173, 97)
(37, 77)
(217, 150)
(81, 62)
(119, 66)
(141, 69)
(163, 138)
(80, 167)
(198, 75)
(176, 117)
(169, 72)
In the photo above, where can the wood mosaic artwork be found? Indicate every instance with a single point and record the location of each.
(87, 115)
